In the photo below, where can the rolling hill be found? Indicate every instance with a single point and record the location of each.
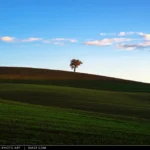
(48, 107)
(38, 73)
(70, 79)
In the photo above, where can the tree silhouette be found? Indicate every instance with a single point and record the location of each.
(75, 63)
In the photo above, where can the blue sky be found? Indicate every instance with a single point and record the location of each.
(111, 38)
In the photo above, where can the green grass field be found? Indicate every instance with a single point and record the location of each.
(108, 85)
(72, 112)
(32, 124)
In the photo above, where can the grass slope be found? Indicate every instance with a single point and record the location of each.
(39, 106)
(31, 124)
(137, 104)
(63, 115)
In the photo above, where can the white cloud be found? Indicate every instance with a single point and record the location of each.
(129, 33)
(146, 37)
(121, 34)
(126, 46)
(98, 43)
(73, 41)
(55, 41)
(144, 44)
(31, 39)
(116, 40)
(106, 41)
(102, 34)
(139, 33)
(65, 39)
(59, 41)
(7, 39)
(134, 46)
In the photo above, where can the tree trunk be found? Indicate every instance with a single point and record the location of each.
(74, 69)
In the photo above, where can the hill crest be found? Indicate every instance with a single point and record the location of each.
(49, 74)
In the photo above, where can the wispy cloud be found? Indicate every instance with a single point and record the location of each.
(130, 33)
(55, 41)
(123, 33)
(146, 37)
(145, 42)
(107, 41)
(64, 39)
(102, 34)
(126, 33)
(140, 33)
(134, 46)
(59, 41)
(7, 39)
(31, 39)
(120, 42)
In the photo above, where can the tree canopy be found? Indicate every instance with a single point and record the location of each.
(75, 63)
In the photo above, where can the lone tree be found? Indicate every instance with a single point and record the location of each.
(75, 63)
